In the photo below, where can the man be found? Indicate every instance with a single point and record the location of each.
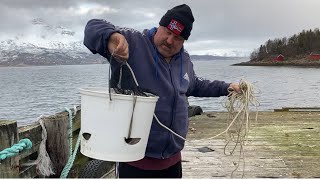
(163, 67)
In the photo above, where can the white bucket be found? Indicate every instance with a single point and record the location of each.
(105, 124)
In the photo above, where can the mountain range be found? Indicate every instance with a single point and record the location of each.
(56, 53)
(54, 45)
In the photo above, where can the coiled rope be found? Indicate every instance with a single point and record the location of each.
(23, 144)
(237, 105)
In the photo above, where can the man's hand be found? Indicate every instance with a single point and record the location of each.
(235, 87)
(118, 46)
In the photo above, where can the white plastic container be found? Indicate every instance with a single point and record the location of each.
(105, 124)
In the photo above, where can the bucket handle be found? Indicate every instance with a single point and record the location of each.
(128, 139)
(120, 76)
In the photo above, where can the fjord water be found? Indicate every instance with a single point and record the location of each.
(28, 92)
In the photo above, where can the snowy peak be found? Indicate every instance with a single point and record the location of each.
(50, 28)
(45, 44)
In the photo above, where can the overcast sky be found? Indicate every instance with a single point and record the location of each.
(222, 27)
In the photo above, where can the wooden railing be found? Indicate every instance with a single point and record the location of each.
(57, 145)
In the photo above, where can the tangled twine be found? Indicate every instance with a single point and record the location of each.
(237, 105)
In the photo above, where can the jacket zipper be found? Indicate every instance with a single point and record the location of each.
(172, 111)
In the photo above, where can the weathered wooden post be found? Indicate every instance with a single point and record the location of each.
(8, 136)
(58, 140)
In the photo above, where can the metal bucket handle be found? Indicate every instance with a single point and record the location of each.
(129, 140)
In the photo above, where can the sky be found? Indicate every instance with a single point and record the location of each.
(221, 27)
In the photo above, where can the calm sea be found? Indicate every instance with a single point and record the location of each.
(28, 92)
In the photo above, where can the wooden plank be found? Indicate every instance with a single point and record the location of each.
(301, 108)
(8, 137)
(28, 172)
(298, 109)
(280, 145)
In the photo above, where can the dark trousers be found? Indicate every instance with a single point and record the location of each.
(127, 171)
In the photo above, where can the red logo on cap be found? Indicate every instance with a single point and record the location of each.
(175, 27)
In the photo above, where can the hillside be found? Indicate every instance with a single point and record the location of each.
(300, 49)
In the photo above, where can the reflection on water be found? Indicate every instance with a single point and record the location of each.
(28, 92)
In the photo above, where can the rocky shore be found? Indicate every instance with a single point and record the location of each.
(304, 62)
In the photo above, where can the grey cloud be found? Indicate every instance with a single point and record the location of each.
(34, 4)
(252, 18)
(228, 22)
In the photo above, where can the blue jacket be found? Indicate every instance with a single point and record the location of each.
(172, 82)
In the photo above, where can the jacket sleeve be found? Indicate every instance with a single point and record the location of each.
(96, 35)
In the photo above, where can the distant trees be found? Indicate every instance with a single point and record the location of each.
(303, 43)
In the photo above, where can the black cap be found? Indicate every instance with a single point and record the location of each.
(179, 20)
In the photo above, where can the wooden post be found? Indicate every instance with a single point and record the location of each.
(8, 137)
(58, 140)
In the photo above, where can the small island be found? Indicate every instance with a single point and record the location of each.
(301, 49)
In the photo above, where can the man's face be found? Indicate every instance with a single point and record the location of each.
(167, 43)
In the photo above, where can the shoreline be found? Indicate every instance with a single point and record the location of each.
(26, 65)
(286, 63)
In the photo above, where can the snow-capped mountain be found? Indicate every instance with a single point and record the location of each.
(45, 44)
